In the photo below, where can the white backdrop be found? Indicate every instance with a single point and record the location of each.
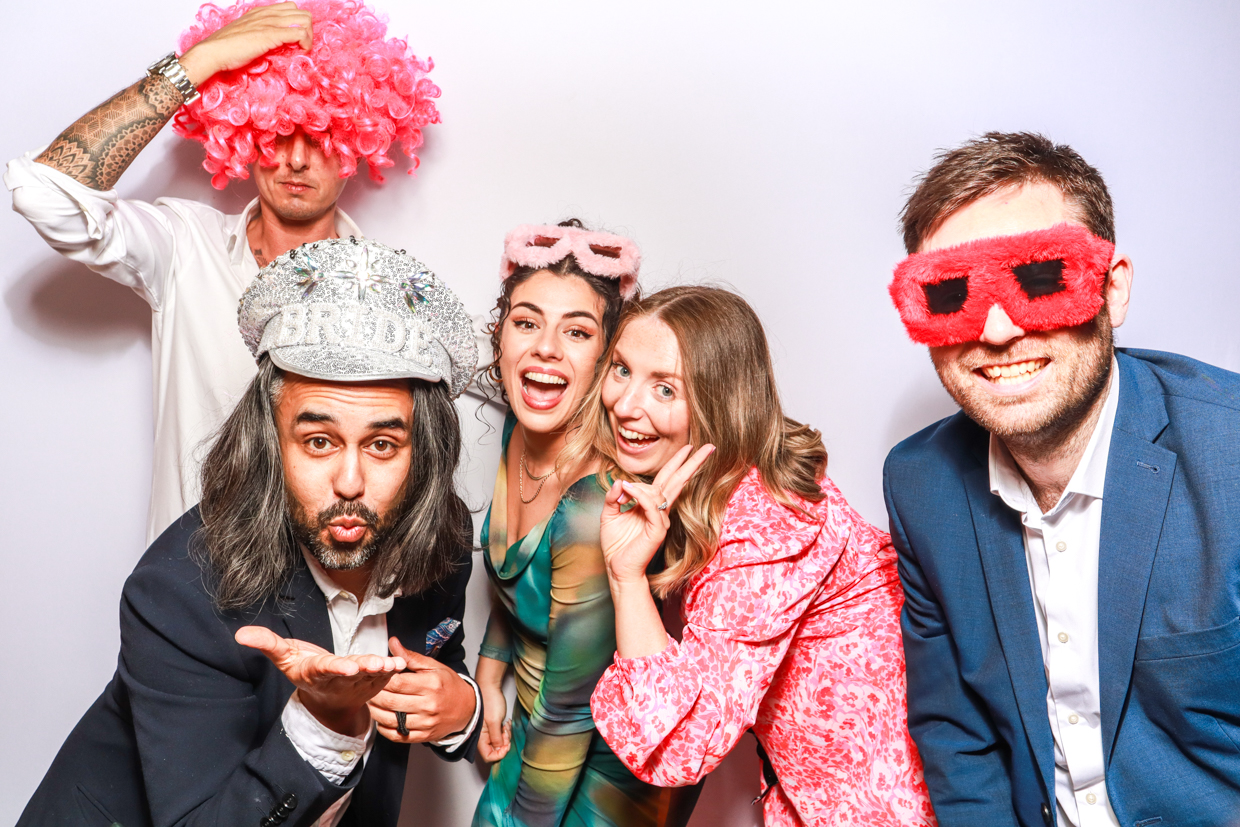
(767, 146)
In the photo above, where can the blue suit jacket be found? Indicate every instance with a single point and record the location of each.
(1168, 612)
(188, 732)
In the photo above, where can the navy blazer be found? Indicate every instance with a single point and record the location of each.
(188, 731)
(1168, 612)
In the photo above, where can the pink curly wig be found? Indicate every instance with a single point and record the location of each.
(353, 93)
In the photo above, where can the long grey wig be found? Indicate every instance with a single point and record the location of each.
(246, 543)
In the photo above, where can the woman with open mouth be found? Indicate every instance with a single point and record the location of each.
(552, 618)
(790, 599)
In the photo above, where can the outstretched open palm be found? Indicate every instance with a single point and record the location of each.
(333, 688)
(631, 536)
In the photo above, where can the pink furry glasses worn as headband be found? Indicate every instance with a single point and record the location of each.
(599, 254)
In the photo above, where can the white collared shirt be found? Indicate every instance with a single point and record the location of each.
(191, 263)
(356, 630)
(1061, 550)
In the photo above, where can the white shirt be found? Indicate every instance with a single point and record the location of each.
(191, 263)
(1061, 550)
(356, 630)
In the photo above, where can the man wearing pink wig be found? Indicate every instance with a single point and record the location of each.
(295, 94)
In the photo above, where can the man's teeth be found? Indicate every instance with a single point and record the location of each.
(634, 436)
(546, 378)
(1014, 374)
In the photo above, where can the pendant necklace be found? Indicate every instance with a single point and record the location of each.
(525, 472)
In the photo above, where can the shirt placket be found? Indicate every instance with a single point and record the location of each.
(348, 618)
(1071, 640)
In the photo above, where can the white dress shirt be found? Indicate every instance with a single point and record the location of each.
(356, 630)
(191, 263)
(1061, 550)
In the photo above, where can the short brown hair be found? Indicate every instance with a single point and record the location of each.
(997, 160)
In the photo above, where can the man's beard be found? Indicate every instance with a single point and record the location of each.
(1057, 417)
(342, 556)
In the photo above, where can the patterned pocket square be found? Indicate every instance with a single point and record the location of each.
(437, 637)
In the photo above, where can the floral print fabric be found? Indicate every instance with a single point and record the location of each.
(792, 630)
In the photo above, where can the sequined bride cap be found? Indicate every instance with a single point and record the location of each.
(355, 310)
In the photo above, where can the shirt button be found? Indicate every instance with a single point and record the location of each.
(1061, 546)
(1091, 798)
(349, 755)
(1063, 637)
(1072, 719)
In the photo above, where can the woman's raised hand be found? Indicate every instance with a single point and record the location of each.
(630, 538)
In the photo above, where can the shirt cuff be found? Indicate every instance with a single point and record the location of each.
(332, 754)
(454, 741)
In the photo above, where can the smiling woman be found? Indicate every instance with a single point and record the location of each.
(562, 294)
(790, 599)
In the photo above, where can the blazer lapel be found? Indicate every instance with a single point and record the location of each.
(1135, 500)
(406, 622)
(1000, 542)
(304, 609)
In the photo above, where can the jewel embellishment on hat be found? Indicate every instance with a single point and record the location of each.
(413, 289)
(368, 280)
(310, 271)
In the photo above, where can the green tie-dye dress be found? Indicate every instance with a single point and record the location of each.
(553, 620)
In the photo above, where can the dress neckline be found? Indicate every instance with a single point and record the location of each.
(509, 560)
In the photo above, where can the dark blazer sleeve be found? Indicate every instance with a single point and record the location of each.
(202, 710)
(965, 759)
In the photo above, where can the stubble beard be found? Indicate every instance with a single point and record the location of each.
(299, 211)
(339, 556)
(1053, 423)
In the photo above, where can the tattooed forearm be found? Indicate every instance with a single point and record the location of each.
(101, 145)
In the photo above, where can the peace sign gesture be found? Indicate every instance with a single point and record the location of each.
(631, 538)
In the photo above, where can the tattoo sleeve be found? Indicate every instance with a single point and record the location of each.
(101, 144)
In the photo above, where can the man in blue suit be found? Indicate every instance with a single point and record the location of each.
(1070, 541)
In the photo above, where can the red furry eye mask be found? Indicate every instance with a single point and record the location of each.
(1043, 280)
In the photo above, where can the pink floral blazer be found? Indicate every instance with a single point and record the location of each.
(793, 630)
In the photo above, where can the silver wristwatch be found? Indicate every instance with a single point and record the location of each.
(171, 68)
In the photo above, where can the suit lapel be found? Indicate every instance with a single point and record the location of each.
(407, 623)
(303, 609)
(1000, 542)
(1135, 500)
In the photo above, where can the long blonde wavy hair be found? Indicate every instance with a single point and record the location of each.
(733, 405)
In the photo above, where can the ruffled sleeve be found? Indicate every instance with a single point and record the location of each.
(672, 717)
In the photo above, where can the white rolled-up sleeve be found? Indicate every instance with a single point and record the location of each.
(332, 754)
(130, 242)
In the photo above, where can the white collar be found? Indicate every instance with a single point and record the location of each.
(345, 227)
(1090, 475)
(330, 590)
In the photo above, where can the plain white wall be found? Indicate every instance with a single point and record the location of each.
(768, 146)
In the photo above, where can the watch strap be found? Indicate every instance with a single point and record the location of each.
(170, 67)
